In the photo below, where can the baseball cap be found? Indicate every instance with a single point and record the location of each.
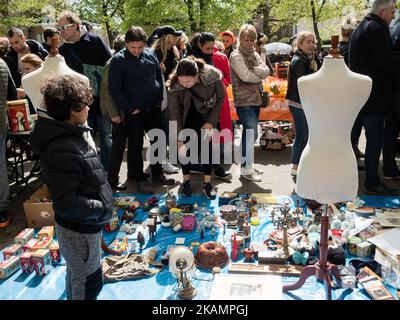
(165, 30)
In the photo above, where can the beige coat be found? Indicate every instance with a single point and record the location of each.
(246, 83)
(210, 87)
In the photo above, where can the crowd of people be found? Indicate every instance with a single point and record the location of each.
(146, 83)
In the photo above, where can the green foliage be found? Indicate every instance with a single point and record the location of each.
(25, 13)
(190, 15)
(327, 14)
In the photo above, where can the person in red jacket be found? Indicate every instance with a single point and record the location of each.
(203, 46)
(221, 62)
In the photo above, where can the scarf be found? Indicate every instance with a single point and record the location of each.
(309, 59)
(250, 57)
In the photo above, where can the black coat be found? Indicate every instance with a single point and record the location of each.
(89, 50)
(344, 51)
(170, 62)
(11, 59)
(371, 54)
(135, 82)
(395, 34)
(299, 66)
(82, 197)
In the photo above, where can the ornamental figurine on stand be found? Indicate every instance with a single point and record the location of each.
(285, 221)
(331, 99)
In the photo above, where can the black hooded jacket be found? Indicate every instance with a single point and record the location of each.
(82, 197)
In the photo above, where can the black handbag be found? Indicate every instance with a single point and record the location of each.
(264, 97)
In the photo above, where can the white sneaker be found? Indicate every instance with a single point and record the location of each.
(258, 171)
(169, 168)
(293, 172)
(253, 176)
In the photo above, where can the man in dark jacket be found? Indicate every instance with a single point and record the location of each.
(19, 47)
(371, 54)
(135, 84)
(87, 54)
(82, 197)
(392, 121)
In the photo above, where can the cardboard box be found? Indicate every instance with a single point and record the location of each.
(45, 243)
(41, 262)
(8, 267)
(28, 247)
(39, 214)
(13, 250)
(55, 252)
(18, 115)
(26, 262)
(46, 232)
(24, 236)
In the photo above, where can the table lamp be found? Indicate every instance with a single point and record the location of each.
(181, 261)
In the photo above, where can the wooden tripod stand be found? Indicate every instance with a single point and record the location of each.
(322, 270)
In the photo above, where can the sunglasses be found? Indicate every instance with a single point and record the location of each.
(65, 27)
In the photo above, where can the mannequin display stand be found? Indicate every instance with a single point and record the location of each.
(327, 173)
(322, 270)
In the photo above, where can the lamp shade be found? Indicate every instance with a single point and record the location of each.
(177, 253)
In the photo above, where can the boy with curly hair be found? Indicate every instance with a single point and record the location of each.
(82, 197)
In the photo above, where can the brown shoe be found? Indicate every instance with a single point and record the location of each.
(4, 219)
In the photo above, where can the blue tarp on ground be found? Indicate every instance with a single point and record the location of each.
(162, 286)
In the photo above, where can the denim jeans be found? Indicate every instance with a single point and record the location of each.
(102, 124)
(301, 126)
(4, 188)
(248, 117)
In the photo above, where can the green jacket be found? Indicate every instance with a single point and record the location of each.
(107, 105)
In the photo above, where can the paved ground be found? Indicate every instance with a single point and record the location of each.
(276, 179)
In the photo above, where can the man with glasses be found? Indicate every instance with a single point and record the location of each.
(21, 46)
(371, 54)
(87, 54)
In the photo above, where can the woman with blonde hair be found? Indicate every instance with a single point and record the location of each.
(168, 57)
(302, 64)
(247, 74)
(182, 45)
(30, 62)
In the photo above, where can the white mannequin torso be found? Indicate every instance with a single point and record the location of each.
(331, 99)
(33, 81)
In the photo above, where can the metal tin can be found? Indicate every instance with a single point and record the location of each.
(55, 253)
(352, 243)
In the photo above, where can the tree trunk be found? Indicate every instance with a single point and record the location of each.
(266, 11)
(110, 33)
(203, 7)
(192, 19)
(106, 20)
(315, 24)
